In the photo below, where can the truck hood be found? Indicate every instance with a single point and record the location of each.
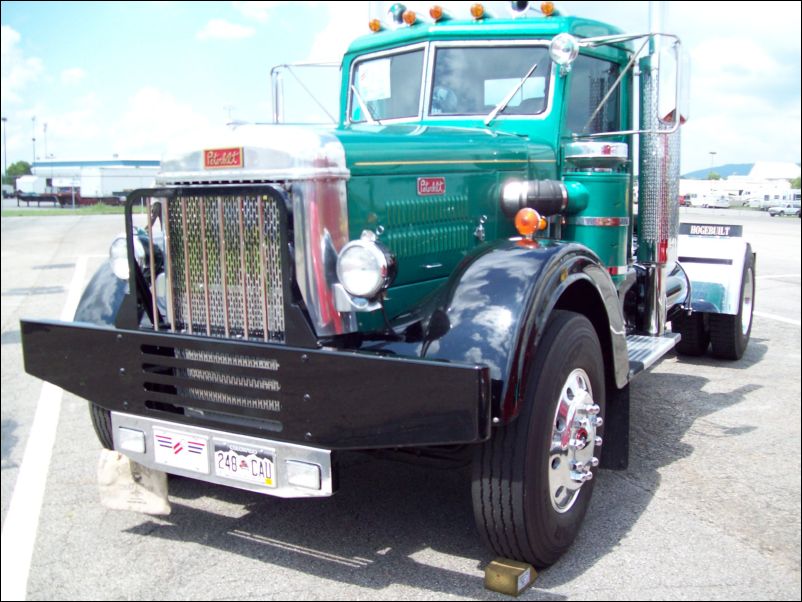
(268, 152)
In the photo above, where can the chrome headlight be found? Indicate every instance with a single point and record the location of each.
(564, 49)
(118, 255)
(364, 267)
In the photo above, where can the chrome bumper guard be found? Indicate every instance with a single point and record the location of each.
(138, 438)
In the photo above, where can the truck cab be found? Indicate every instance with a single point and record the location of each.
(455, 267)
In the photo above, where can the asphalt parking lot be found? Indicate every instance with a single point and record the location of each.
(708, 509)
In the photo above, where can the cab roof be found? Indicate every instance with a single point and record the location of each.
(533, 27)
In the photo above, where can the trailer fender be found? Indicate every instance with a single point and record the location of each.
(494, 309)
(714, 265)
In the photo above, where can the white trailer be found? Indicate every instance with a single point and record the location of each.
(104, 182)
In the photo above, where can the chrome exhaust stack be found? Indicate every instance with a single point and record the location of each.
(658, 177)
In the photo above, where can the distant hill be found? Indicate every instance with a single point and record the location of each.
(725, 171)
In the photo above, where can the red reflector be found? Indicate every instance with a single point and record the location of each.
(662, 252)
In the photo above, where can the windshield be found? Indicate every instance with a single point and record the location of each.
(473, 81)
(387, 87)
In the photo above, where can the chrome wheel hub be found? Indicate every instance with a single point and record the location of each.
(573, 441)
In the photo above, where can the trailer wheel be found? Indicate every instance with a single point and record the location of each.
(695, 334)
(101, 420)
(532, 481)
(729, 335)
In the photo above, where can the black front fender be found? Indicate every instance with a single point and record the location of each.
(495, 307)
(102, 298)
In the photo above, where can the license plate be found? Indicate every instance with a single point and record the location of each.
(181, 450)
(242, 463)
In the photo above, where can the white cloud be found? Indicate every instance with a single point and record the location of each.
(72, 76)
(259, 11)
(153, 118)
(346, 21)
(220, 29)
(17, 70)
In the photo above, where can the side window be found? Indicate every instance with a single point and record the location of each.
(591, 79)
(390, 86)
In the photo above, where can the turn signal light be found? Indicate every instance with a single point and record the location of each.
(436, 12)
(528, 221)
(410, 17)
(477, 11)
(375, 25)
(547, 8)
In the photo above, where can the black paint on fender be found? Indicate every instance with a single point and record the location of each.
(495, 307)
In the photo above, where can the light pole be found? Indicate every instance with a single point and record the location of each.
(5, 150)
(33, 140)
(45, 130)
(712, 157)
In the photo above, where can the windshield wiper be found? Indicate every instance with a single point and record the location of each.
(365, 108)
(503, 104)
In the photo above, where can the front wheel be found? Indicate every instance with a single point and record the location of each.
(532, 481)
(101, 420)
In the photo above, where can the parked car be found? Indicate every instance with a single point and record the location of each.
(785, 209)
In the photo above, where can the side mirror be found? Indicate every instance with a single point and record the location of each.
(673, 95)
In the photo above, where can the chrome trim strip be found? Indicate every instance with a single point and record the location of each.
(243, 271)
(152, 265)
(598, 221)
(205, 267)
(262, 268)
(168, 263)
(186, 261)
(223, 273)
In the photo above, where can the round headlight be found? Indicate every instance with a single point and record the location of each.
(118, 256)
(564, 49)
(363, 268)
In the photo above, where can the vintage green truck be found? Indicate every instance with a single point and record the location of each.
(457, 265)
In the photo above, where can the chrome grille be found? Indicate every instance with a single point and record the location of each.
(224, 265)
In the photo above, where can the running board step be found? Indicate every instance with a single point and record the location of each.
(644, 351)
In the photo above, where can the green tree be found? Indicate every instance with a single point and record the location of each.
(795, 183)
(713, 176)
(15, 170)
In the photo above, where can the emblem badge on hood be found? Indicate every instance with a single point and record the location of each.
(221, 158)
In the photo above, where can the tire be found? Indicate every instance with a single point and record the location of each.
(695, 334)
(101, 420)
(526, 504)
(729, 335)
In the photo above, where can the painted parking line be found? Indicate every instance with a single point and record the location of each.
(22, 519)
(762, 314)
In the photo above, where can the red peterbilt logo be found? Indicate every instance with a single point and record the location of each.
(431, 186)
(219, 158)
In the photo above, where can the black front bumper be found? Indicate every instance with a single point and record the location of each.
(329, 398)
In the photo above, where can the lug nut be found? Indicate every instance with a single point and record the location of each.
(577, 444)
(582, 423)
(581, 477)
(598, 441)
(598, 421)
(591, 409)
(594, 462)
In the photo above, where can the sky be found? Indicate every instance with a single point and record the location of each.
(90, 80)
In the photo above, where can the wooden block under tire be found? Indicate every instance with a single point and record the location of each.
(509, 576)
